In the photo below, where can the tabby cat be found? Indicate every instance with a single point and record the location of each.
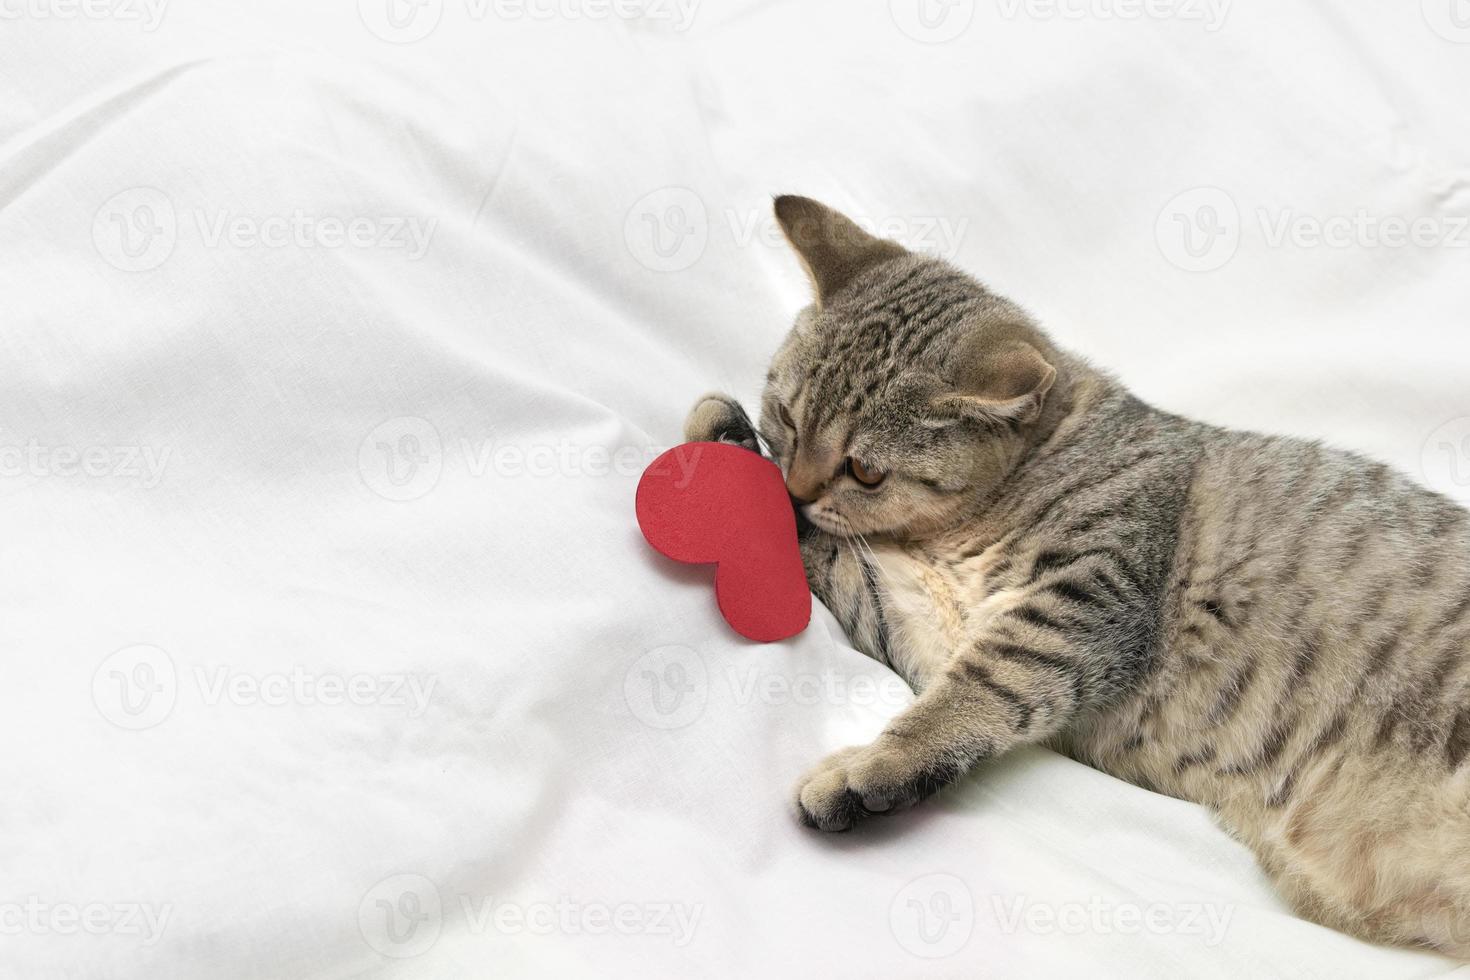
(1277, 630)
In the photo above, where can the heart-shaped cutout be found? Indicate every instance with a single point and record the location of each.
(707, 502)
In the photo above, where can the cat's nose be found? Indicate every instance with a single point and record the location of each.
(802, 495)
(804, 481)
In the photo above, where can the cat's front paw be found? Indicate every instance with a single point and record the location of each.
(719, 418)
(855, 782)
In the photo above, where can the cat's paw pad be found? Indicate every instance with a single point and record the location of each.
(719, 418)
(852, 783)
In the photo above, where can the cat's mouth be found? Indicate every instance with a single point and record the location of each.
(804, 525)
(823, 519)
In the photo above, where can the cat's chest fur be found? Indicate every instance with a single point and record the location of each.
(935, 597)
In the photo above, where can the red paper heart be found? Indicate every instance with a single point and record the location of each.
(710, 502)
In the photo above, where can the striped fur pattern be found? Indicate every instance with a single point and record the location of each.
(1275, 629)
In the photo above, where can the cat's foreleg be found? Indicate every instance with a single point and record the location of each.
(1068, 640)
(1002, 692)
(720, 418)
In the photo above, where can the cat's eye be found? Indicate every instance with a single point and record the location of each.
(785, 416)
(865, 475)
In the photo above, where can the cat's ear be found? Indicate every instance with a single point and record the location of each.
(1008, 381)
(831, 246)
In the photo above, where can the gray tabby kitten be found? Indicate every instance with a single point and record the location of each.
(1265, 626)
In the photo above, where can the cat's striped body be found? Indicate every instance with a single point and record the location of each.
(1308, 676)
(1273, 629)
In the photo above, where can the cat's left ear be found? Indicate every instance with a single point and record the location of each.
(832, 248)
(1007, 381)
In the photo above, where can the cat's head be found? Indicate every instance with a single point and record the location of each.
(905, 393)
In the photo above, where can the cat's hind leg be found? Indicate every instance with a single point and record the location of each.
(1380, 848)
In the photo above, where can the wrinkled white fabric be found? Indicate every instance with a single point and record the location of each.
(331, 345)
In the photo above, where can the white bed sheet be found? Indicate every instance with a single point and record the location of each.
(333, 650)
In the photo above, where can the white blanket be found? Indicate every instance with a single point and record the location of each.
(334, 339)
